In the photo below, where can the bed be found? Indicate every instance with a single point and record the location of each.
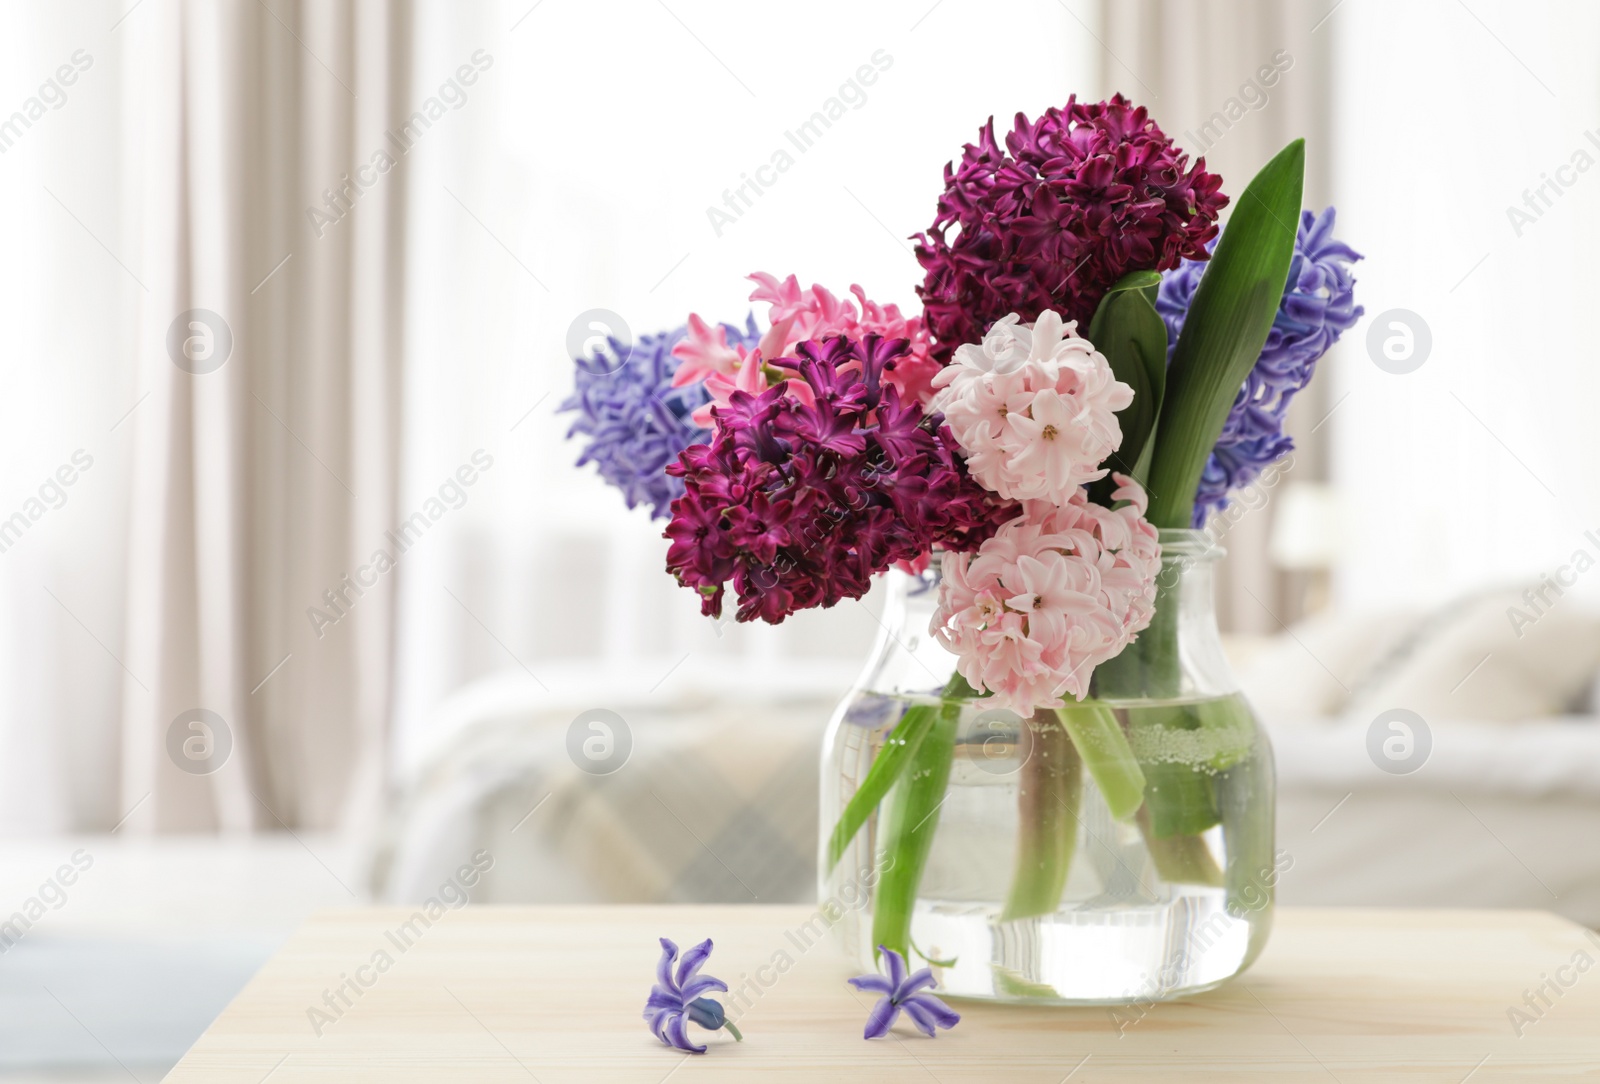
(717, 802)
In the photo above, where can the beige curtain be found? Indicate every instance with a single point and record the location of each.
(1197, 65)
(262, 482)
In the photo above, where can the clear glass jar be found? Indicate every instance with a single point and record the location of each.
(1020, 884)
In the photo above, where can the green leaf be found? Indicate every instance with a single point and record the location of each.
(1134, 280)
(1106, 756)
(1141, 469)
(1013, 984)
(910, 821)
(898, 751)
(1180, 798)
(958, 688)
(1128, 331)
(1224, 330)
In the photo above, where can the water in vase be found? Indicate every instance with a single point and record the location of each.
(1172, 900)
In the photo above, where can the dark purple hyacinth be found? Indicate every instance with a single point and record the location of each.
(636, 421)
(805, 492)
(1318, 306)
(1076, 200)
(676, 999)
(902, 991)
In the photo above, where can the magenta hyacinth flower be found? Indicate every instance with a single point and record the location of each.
(809, 488)
(675, 999)
(1074, 201)
(902, 991)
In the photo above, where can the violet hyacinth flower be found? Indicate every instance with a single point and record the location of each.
(1318, 306)
(636, 421)
(675, 999)
(902, 991)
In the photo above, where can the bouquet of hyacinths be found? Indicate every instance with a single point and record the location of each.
(1096, 360)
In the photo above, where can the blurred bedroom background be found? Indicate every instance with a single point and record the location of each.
(261, 318)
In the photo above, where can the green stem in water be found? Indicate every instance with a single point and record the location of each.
(1187, 796)
(909, 822)
(1121, 677)
(1180, 859)
(898, 751)
(1181, 799)
(1106, 755)
(950, 962)
(1245, 796)
(1014, 985)
(1158, 643)
(1047, 819)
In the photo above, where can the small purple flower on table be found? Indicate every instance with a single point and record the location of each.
(678, 998)
(902, 991)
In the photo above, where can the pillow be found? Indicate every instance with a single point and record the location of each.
(1472, 661)
(1310, 671)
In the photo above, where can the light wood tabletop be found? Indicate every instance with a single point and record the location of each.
(554, 994)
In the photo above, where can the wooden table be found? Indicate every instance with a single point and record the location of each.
(554, 994)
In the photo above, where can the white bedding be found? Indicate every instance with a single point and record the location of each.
(1504, 811)
(1535, 759)
(1500, 815)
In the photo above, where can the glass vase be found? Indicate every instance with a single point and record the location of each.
(1117, 850)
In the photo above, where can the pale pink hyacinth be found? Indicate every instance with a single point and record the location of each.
(1034, 407)
(1055, 593)
(796, 316)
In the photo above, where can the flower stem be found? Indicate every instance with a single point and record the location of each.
(1242, 792)
(1180, 859)
(1047, 819)
(1106, 755)
(899, 750)
(1189, 796)
(733, 1031)
(1181, 799)
(908, 824)
(1158, 643)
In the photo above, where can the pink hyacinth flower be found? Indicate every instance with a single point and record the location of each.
(797, 316)
(1055, 593)
(1034, 406)
(704, 350)
(816, 313)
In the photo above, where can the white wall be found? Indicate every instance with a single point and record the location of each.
(591, 150)
(1479, 467)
